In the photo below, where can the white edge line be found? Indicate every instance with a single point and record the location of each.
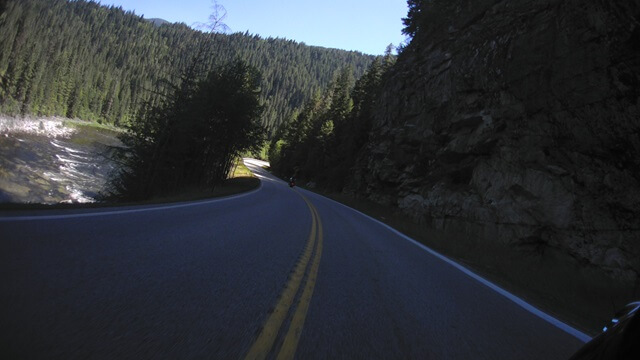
(525, 305)
(127, 211)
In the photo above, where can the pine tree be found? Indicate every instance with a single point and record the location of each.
(193, 137)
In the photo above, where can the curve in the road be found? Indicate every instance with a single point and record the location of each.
(264, 344)
(202, 279)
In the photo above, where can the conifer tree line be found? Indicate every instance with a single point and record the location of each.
(78, 59)
(191, 139)
(323, 138)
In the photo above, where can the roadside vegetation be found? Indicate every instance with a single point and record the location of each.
(240, 170)
(192, 138)
(77, 123)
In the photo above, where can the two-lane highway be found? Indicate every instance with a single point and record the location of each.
(276, 273)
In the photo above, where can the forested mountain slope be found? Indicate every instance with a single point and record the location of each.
(80, 59)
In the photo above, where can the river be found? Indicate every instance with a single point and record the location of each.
(54, 160)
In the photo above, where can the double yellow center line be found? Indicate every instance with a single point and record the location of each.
(265, 341)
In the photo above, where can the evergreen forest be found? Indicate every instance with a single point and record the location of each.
(79, 59)
(192, 138)
(324, 138)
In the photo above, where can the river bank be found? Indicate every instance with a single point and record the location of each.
(56, 162)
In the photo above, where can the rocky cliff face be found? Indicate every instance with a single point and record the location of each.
(519, 122)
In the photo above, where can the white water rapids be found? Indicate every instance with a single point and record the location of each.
(53, 160)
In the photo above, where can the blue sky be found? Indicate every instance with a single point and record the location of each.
(361, 25)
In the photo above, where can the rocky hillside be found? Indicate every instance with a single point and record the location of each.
(517, 121)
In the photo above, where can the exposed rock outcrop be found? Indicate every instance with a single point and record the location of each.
(520, 123)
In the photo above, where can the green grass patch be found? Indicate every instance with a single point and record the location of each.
(240, 170)
(77, 123)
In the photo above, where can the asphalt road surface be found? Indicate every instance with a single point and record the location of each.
(274, 273)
